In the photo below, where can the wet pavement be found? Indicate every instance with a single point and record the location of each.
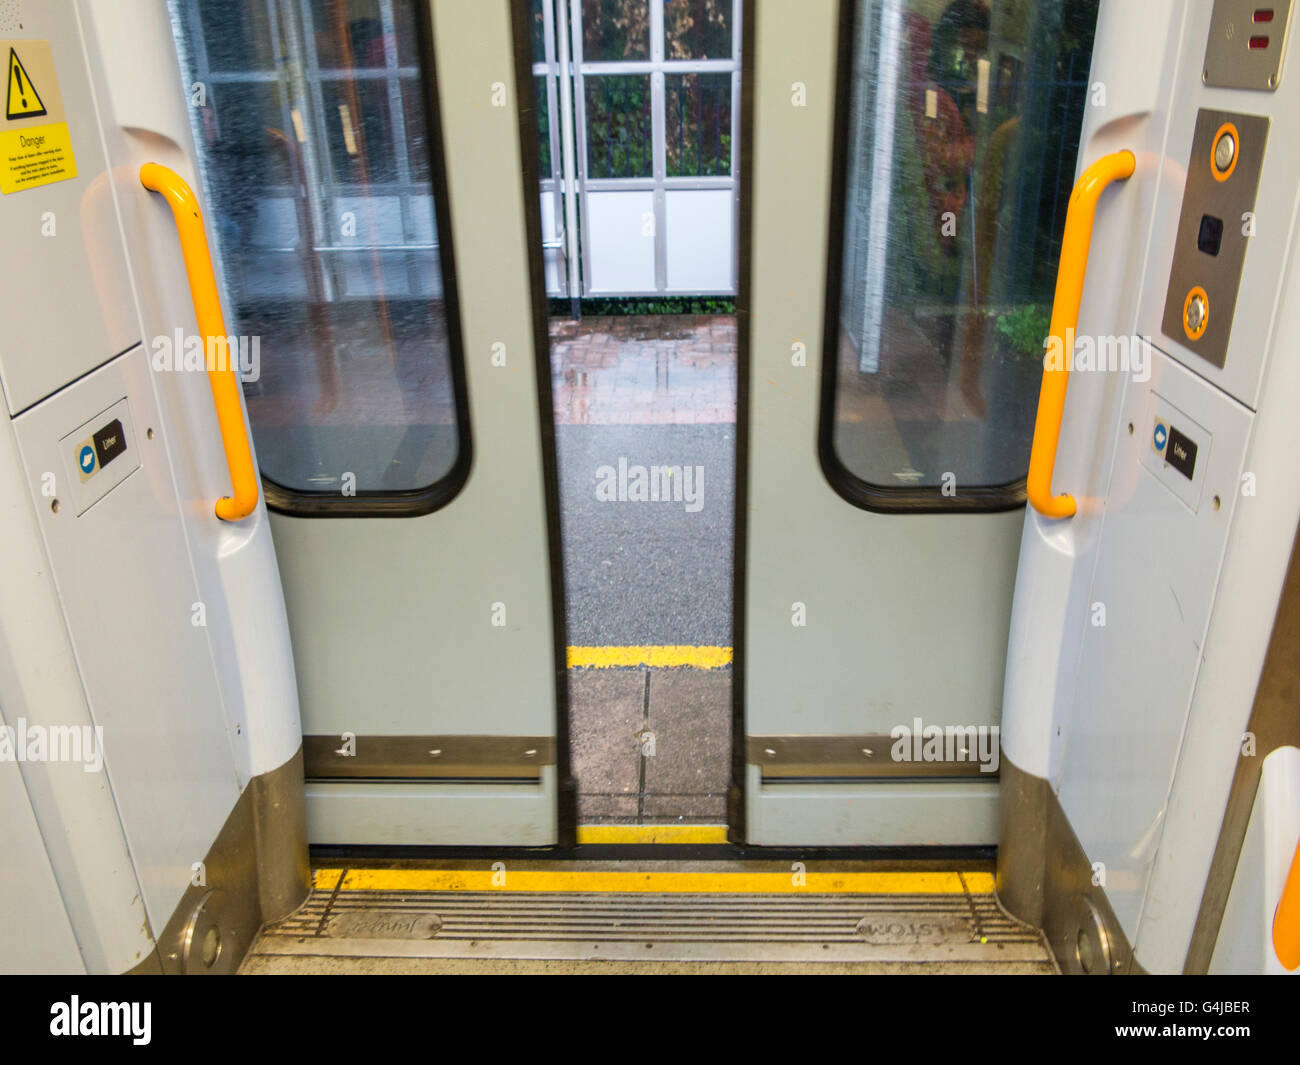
(643, 370)
(645, 414)
(646, 407)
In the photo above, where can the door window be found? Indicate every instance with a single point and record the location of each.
(960, 133)
(316, 130)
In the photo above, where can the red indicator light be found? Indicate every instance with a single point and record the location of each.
(1258, 42)
(1264, 14)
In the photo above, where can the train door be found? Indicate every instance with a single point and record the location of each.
(359, 163)
(912, 162)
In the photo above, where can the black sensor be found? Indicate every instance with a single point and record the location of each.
(1211, 234)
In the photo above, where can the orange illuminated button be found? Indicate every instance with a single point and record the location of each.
(1196, 313)
(1226, 147)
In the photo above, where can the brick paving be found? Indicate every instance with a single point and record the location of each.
(644, 370)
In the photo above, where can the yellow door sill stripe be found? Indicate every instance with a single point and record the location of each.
(600, 881)
(705, 834)
(667, 656)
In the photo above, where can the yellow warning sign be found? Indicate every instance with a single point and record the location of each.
(23, 101)
(35, 144)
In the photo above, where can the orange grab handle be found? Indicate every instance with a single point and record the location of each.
(207, 310)
(1286, 918)
(1065, 317)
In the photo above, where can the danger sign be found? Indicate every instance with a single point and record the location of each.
(35, 145)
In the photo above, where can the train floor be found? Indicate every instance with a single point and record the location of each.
(539, 916)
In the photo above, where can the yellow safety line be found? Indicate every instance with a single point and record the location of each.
(326, 879)
(652, 833)
(698, 657)
(520, 878)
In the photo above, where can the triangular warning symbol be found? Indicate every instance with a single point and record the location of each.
(24, 101)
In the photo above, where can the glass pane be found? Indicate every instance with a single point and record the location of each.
(335, 282)
(359, 130)
(537, 29)
(964, 126)
(408, 38)
(697, 118)
(697, 29)
(543, 124)
(236, 39)
(615, 29)
(240, 117)
(417, 132)
(348, 33)
(618, 126)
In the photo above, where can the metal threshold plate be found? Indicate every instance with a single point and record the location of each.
(615, 914)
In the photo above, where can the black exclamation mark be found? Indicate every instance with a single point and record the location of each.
(18, 73)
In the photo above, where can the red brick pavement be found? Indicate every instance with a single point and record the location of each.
(644, 370)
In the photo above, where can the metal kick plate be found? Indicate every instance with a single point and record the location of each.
(870, 756)
(1247, 43)
(394, 923)
(354, 756)
(1217, 213)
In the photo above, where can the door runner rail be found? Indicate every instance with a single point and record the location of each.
(653, 911)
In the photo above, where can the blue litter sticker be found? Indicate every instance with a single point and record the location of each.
(1161, 436)
(86, 459)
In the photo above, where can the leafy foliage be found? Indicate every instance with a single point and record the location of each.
(667, 305)
(1025, 328)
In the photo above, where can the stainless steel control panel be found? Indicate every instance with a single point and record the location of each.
(1215, 227)
(1247, 44)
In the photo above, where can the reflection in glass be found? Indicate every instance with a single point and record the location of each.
(615, 30)
(316, 170)
(537, 29)
(697, 121)
(964, 125)
(348, 33)
(697, 29)
(619, 141)
(543, 104)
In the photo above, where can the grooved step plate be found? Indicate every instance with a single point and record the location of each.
(842, 927)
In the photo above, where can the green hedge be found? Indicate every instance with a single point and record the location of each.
(648, 306)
